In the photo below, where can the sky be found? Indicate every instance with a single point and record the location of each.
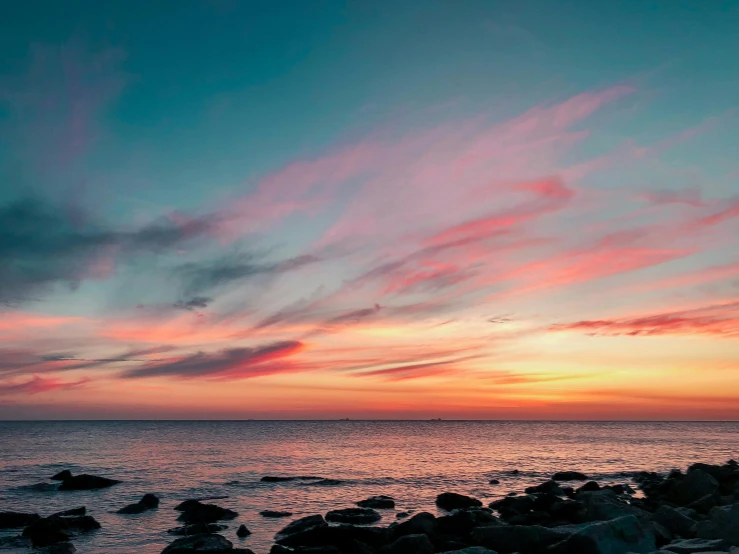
(218, 209)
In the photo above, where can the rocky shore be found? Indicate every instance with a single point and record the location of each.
(683, 512)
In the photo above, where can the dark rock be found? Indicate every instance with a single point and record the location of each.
(550, 487)
(343, 536)
(9, 520)
(471, 550)
(572, 511)
(353, 515)
(704, 504)
(694, 486)
(689, 546)
(182, 506)
(494, 482)
(590, 486)
(324, 483)
(198, 512)
(675, 521)
(410, 544)
(569, 476)
(480, 516)
(208, 542)
(458, 523)
(662, 535)
(71, 512)
(60, 548)
(451, 501)
(147, 502)
(526, 539)
(62, 475)
(721, 523)
(422, 522)
(513, 472)
(40, 487)
(616, 536)
(279, 549)
(279, 479)
(302, 524)
(242, 531)
(401, 515)
(605, 504)
(77, 524)
(45, 532)
(197, 529)
(380, 502)
(513, 505)
(86, 482)
(274, 513)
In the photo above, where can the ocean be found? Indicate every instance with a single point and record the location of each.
(412, 461)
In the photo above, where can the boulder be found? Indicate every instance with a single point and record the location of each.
(603, 505)
(569, 476)
(274, 513)
(721, 523)
(380, 502)
(343, 536)
(526, 539)
(62, 475)
(422, 522)
(208, 542)
(60, 548)
(590, 486)
(356, 516)
(242, 531)
(147, 502)
(410, 544)
(511, 505)
(185, 504)
(86, 482)
(460, 522)
(693, 487)
(402, 515)
(198, 512)
(616, 536)
(9, 520)
(324, 483)
(675, 521)
(280, 479)
(494, 482)
(549, 487)
(197, 529)
(451, 501)
(302, 524)
(80, 511)
(689, 546)
(45, 532)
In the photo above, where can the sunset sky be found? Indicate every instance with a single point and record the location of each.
(369, 209)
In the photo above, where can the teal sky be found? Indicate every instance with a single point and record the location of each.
(303, 167)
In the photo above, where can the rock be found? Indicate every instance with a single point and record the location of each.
(569, 476)
(356, 516)
(616, 536)
(675, 521)
(185, 504)
(274, 513)
(549, 487)
(513, 472)
(279, 549)
(662, 535)
(380, 502)
(410, 544)
(471, 550)
(60, 548)
(279, 479)
(242, 531)
(494, 482)
(422, 522)
(604, 505)
(401, 515)
(458, 523)
(78, 524)
(343, 536)
(62, 475)
(451, 501)
(86, 482)
(526, 539)
(589, 487)
(196, 529)
(722, 523)
(704, 504)
(9, 520)
(694, 486)
(324, 483)
(40, 487)
(688, 546)
(147, 502)
(71, 512)
(197, 512)
(302, 524)
(209, 542)
(45, 532)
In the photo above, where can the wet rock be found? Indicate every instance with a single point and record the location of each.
(689, 546)
(605, 504)
(86, 482)
(40, 487)
(494, 482)
(80, 511)
(285, 479)
(693, 487)
(722, 523)
(356, 516)
(451, 501)
(549, 487)
(380, 502)
(302, 524)
(324, 483)
(675, 521)
(196, 529)
(415, 544)
(197, 512)
(526, 539)
(422, 522)
(616, 536)
(662, 535)
(210, 542)
(10, 520)
(590, 486)
(147, 502)
(45, 532)
(60, 548)
(242, 531)
(513, 505)
(343, 536)
(513, 472)
(62, 475)
(182, 506)
(458, 523)
(274, 513)
(569, 476)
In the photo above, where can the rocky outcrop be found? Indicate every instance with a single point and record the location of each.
(55, 529)
(242, 532)
(353, 515)
(380, 502)
(526, 539)
(451, 501)
(85, 482)
(285, 479)
(616, 536)
(210, 543)
(415, 544)
(302, 524)
(62, 475)
(721, 523)
(147, 502)
(569, 476)
(9, 520)
(197, 512)
(196, 529)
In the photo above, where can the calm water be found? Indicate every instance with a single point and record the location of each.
(411, 461)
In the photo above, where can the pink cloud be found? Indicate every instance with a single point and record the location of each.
(38, 385)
